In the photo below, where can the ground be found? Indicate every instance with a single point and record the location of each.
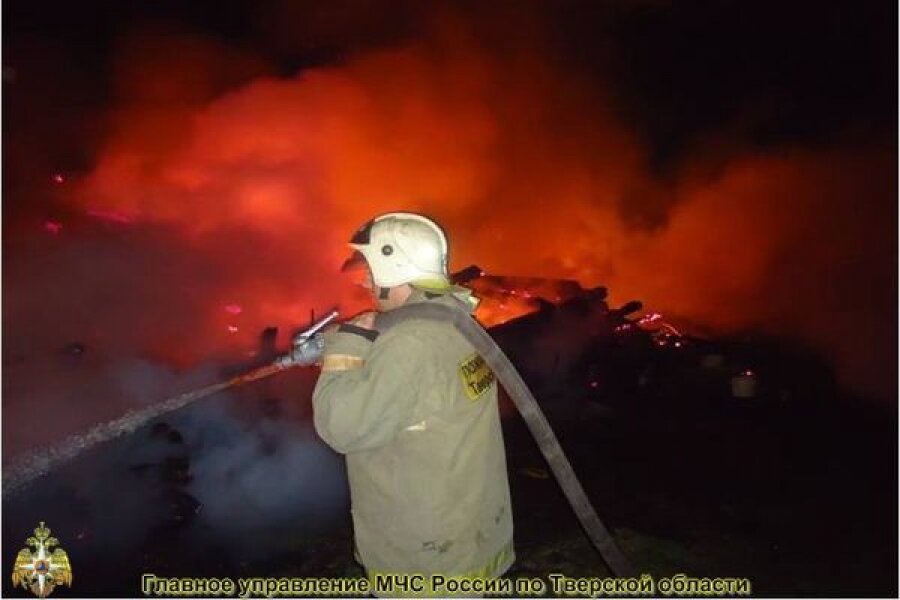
(798, 497)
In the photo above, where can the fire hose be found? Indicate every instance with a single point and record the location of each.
(531, 413)
(307, 348)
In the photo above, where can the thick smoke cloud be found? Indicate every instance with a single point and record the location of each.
(218, 474)
(223, 190)
(504, 147)
(279, 476)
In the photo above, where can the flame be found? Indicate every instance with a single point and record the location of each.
(256, 190)
(506, 298)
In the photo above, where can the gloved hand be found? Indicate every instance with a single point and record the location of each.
(304, 351)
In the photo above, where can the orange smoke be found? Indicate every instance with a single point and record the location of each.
(530, 170)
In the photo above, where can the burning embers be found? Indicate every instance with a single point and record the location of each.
(664, 333)
(506, 298)
(568, 343)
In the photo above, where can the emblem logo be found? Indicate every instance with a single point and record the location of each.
(40, 567)
(476, 375)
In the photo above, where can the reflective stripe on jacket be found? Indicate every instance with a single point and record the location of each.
(415, 411)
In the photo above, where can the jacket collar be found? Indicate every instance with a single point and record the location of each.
(458, 296)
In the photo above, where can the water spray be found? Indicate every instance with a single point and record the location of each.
(306, 350)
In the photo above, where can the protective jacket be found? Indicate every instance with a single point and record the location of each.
(415, 410)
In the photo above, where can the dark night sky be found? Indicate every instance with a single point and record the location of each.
(788, 71)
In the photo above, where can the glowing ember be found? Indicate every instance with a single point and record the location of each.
(109, 215)
(53, 227)
(650, 318)
(654, 321)
(234, 309)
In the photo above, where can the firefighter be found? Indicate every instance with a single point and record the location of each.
(414, 409)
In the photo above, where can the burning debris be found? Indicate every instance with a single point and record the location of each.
(578, 304)
(561, 335)
(507, 298)
(570, 343)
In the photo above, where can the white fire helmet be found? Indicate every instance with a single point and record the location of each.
(403, 247)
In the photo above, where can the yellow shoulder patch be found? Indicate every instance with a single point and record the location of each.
(341, 362)
(476, 376)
